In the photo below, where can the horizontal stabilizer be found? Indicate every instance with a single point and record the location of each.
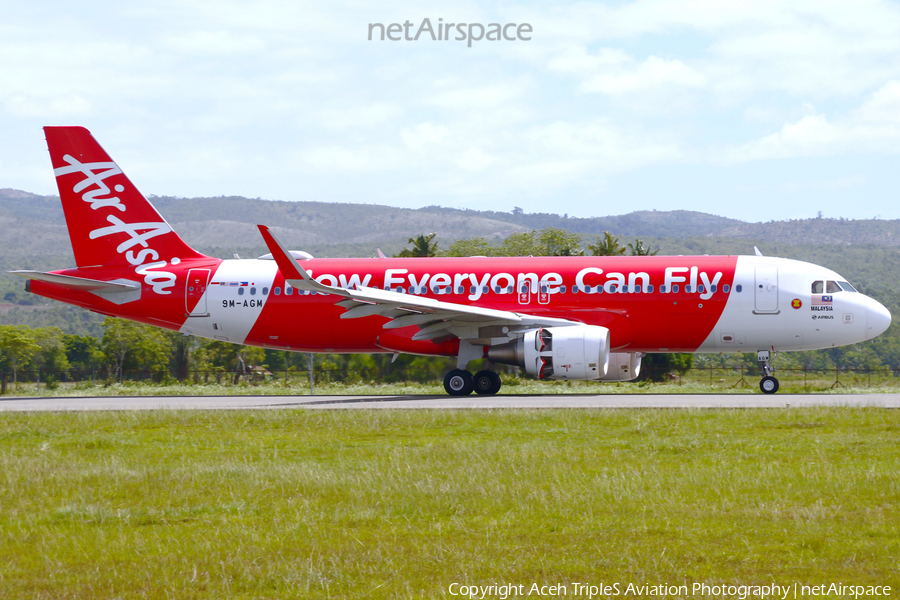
(79, 283)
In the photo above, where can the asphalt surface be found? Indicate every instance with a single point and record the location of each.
(445, 402)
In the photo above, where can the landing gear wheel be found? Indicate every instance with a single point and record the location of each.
(768, 385)
(487, 383)
(459, 383)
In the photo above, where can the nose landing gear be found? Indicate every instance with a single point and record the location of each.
(768, 384)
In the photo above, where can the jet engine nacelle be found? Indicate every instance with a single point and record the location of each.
(580, 352)
(623, 366)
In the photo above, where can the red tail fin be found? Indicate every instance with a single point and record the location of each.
(110, 222)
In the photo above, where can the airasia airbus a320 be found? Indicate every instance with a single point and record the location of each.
(574, 318)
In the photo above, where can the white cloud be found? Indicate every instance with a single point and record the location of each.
(221, 42)
(804, 186)
(424, 135)
(455, 94)
(475, 159)
(24, 106)
(360, 116)
(363, 159)
(613, 72)
(873, 127)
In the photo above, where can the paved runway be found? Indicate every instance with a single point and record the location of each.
(446, 402)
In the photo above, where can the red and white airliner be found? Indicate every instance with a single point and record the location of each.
(576, 318)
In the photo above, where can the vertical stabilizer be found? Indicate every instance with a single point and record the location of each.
(110, 222)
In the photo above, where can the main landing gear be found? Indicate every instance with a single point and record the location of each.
(460, 382)
(768, 385)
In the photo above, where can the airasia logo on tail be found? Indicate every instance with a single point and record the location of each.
(94, 190)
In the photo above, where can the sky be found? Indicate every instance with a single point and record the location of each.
(760, 110)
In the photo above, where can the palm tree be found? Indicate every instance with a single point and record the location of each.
(424, 245)
(608, 245)
(637, 249)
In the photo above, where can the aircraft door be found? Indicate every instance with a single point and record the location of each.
(766, 289)
(195, 293)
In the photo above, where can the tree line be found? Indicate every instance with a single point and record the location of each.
(128, 349)
(550, 241)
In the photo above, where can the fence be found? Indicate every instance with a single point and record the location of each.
(819, 378)
(712, 377)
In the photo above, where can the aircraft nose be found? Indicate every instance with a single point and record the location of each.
(878, 319)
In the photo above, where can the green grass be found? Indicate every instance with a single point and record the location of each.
(399, 504)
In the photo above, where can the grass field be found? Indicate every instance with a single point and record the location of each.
(400, 504)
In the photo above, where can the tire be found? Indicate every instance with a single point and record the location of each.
(487, 383)
(768, 385)
(459, 383)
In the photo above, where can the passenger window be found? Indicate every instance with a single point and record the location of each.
(253, 291)
(726, 288)
(738, 288)
(674, 288)
(277, 291)
(818, 287)
(288, 290)
(240, 291)
(831, 287)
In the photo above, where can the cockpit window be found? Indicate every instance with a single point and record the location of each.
(831, 287)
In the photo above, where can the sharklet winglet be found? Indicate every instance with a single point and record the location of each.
(292, 271)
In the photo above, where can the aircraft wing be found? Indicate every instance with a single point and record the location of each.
(435, 318)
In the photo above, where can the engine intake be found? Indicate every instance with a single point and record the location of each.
(580, 352)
